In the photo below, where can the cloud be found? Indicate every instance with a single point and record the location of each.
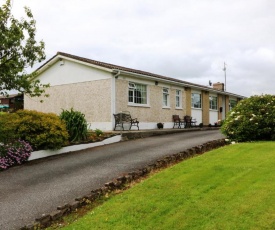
(187, 39)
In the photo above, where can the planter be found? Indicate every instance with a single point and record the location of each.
(160, 125)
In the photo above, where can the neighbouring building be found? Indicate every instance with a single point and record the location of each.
(100, 90)
(12, 102)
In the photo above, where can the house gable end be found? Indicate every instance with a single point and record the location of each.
(65, 71)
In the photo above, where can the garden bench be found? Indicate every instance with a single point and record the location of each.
(189, 122)
(177, 121)
(122, 118)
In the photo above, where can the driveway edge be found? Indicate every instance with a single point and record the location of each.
(119, 183)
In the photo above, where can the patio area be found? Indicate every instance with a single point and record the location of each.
(135, 134)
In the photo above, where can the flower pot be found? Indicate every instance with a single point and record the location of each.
(160, 125)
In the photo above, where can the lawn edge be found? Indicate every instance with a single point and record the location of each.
(46, 220)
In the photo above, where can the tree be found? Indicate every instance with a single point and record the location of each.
(252, 119)
(18, 51)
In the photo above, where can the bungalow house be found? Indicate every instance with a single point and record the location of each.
(12, 102)
(100, 90)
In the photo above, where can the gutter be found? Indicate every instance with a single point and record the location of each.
(118, 72)
(113, 96)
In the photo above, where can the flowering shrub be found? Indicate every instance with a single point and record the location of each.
(14, 153)
(252, 119)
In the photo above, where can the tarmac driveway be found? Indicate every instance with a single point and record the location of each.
(29, 190)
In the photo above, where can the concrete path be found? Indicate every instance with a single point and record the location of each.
(38, 187)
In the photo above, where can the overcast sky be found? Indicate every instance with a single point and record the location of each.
(184, 39)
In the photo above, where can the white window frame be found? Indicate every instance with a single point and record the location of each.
(178, 99)
(213, 102)
(194, 99)
(137, 94)
(165, 97)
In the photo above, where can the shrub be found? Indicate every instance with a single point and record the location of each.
(98, 132)
(252, 119)
(76, 125)
(41, 130)
(14, 153)
(8, 123)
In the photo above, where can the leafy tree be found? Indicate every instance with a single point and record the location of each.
(252, 119)
(18, 51)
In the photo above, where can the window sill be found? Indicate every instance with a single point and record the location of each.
(166, 107)
(140, 105)
(179, 108)
(197, 108)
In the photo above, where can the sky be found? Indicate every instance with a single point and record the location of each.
(184, 39)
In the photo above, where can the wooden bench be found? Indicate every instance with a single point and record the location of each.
(189, 122)
(122, 118)
(177, 121)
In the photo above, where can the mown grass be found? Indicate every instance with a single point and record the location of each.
(229, 188)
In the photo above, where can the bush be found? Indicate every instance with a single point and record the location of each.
(252, 119)
(8, 123)
(76, 125)
(98, 132)
(14, 153)
(41, 130)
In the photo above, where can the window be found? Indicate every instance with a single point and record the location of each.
(178, 99)
(213, 102)
(165, 100)
(232, 104)
(196, 100)
(137, 93)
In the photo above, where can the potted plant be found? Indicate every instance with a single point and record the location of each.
(160, 125)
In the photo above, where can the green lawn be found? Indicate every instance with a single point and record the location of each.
(229, 188)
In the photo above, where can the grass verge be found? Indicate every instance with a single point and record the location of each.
(228, 188)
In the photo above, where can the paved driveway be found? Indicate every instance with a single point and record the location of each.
(38, 187)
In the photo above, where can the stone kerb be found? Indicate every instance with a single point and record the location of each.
(121, 183)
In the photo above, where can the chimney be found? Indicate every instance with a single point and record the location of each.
(218, 86)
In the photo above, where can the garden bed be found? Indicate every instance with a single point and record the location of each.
(71, 148)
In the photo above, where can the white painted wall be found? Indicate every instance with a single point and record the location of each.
(147, 126)
(213, 117)
(104, 126)
(71, 72)
(197, 114)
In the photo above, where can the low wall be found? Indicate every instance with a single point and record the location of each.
(47, 153)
